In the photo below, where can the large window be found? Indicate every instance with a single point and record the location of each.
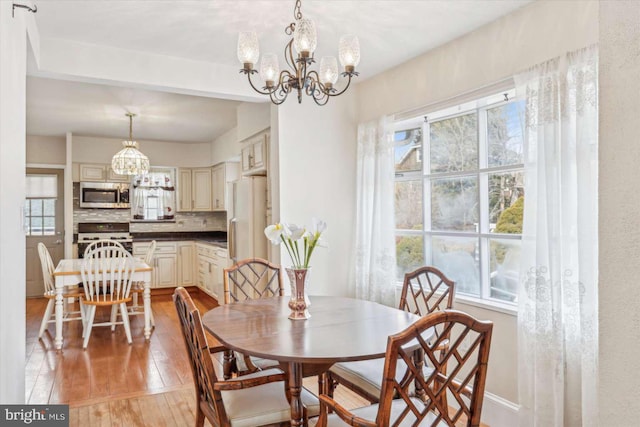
(459, 195)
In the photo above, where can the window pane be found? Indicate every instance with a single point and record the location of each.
(458, 258)
(408, 205)
(505, 268)
(36, 225)
(505, 129)
(454, 204)
(408, 150)
(409, 254)
(454, 144)
(49, 225)
(506, 202)
(49, 207)
(36, 207)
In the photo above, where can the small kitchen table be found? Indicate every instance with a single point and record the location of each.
(68, 273)
(339, 330)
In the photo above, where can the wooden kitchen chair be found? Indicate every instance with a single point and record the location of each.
(252, 278)
(106, 275)
(459, 368)
(50, 293)
(137, 288)
(251, 400)
(424, 291)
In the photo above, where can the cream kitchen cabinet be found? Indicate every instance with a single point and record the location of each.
(254, 155)
(173, 263)
(194, 190)
(99, 172)
(211, 264)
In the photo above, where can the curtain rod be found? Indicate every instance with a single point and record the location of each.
(490, 89)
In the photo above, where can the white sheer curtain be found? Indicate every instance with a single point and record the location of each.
(558, 297)
(375, 243)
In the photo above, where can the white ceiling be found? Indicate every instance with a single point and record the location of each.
(390, 33)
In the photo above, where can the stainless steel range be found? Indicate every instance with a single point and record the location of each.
(91, 231)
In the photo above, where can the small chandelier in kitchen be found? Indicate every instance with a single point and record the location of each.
(318, 85)
(129, 160)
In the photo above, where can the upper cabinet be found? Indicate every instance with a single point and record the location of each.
(221, 175)
(99, 172)
(194, 190)
(254, 155)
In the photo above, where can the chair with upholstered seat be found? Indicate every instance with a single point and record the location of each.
(424, 291)
(251, 278)
(459, 369)
(106, 275)
(50, 293)
(249, 401)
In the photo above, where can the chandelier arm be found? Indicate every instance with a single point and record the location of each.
(288, 55)
(320, 97)
(255, 88)
(343, 90)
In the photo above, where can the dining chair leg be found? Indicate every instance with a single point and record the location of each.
(114, 315)
(199, 414)
(153, 322)
(91, 313)
(45, 319)
(83, 317)
(125, 321)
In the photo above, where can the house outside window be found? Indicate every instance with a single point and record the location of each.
(459, 195)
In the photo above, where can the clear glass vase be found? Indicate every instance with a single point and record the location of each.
(299, 302)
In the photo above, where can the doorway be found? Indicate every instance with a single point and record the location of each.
(43, 222)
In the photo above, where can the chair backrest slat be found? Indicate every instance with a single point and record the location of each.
(107, 271)
(47, 268)
(252, 278)
(459, 370)
(198, 349)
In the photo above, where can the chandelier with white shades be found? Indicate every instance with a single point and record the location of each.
(299, 77)
(129, 160)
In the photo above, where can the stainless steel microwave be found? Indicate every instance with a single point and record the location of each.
(104, 195)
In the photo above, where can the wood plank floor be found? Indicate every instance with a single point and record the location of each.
(116, 384)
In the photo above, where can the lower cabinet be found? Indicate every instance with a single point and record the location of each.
(172, 263)
(211, 264)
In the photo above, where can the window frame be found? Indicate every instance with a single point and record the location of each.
(484, 236)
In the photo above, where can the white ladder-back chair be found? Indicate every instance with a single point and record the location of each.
(50, 292)
(106, 273)
(138, 287)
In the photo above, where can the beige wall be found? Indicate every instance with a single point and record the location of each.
(252, 118)
(511, 44)
(100, 150)
(619, 212)
(317, 158)
(226, 147)
(47, 150)
(539, 31)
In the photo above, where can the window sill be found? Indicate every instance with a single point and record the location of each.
(500, 307)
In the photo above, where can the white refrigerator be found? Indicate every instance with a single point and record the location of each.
(248, 219)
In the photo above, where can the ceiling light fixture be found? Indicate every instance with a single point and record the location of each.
(129, 160)
(278, 84)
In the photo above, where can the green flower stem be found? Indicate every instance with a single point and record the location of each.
(286, 245)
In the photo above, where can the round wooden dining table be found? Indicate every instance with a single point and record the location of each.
(339, 330)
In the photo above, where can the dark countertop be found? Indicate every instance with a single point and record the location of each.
(216, 238)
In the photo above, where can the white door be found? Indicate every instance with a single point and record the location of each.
(44, 222)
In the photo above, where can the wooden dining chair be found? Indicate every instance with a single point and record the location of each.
(424, 291)
(50, 293)
(106, 275)
(137, 288)
(251, 278)
(251, 400)
(459, 368)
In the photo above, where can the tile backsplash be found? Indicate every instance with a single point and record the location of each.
(185, 221)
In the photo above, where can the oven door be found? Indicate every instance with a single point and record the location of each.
(104, 195)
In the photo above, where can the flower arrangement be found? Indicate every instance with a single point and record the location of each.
(291, 235)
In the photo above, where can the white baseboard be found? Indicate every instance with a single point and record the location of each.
(499, 412)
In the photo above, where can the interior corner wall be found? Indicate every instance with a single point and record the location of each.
(317, 161)
(619, 213)
(161, 153)
(539, 31)
(252, 117)
(528, 36)
(46, 150)
(13, 69)
(226, 147)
